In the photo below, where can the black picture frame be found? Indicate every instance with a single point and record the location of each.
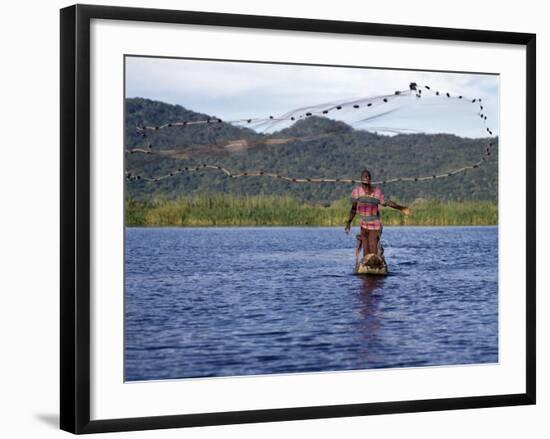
(75, 217)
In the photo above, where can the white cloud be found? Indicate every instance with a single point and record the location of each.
(241, 90)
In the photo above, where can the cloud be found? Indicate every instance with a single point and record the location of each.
(234, 90)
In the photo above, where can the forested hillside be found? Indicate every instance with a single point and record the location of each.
(312, 147)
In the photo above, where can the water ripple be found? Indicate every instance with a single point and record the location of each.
(204, 302)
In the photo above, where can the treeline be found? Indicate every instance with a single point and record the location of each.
(234, 210)
(333, 149)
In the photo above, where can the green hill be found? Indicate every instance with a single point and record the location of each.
(324, 148)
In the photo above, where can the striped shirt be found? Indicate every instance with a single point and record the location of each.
(367, 206)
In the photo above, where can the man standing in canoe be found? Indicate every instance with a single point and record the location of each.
(365, 200)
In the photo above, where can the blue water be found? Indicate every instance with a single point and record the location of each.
(203, 302)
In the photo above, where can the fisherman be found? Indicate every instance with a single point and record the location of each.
(365, 200)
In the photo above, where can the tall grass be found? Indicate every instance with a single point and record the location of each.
(234, 210)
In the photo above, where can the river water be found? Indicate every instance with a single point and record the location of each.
(203, 302)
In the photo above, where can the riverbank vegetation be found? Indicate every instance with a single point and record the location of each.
(260, 210)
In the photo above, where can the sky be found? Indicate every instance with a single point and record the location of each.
(237, 90)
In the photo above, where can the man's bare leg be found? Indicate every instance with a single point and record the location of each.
(370, 242)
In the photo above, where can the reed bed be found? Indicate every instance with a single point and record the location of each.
(263, 210)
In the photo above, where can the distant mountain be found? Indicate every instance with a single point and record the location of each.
(314, 126)
(312, 147)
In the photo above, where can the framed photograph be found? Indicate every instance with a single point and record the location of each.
(273, 218)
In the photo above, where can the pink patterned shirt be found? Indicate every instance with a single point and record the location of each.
(367, 206)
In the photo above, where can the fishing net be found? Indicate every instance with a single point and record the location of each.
(405, 135)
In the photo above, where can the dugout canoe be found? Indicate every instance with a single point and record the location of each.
(372, 264)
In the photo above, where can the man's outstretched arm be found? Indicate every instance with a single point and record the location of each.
(394, 205)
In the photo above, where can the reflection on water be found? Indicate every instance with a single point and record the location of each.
(369, 322)
(369, 303)
(370, 284)
(238, 301)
